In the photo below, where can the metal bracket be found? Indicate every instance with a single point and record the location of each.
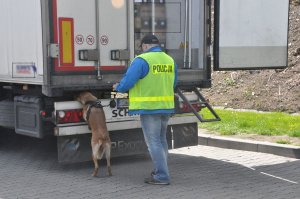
(88, 55)
(119, 55)
(53, 50)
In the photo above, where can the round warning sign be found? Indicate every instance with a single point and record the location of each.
(90, 39)
(104, 40)
(79, 39)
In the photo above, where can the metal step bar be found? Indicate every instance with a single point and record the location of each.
(202, 102)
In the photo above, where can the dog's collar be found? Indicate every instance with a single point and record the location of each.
(96, 104)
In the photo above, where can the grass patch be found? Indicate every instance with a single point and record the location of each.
(283, 142)
(241, 122)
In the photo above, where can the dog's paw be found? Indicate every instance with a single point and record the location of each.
(95, 173)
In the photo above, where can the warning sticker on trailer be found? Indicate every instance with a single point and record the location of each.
(79, 39)
(104, 40)
(90, 39)
(24, 70)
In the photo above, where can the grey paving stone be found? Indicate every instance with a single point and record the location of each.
(31, 171)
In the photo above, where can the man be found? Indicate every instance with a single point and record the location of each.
(150, 80)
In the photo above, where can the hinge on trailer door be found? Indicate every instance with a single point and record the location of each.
(53, 50)
(203, 102)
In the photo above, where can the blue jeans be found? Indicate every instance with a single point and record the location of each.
(155, 129)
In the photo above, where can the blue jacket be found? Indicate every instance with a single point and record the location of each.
(139, 69)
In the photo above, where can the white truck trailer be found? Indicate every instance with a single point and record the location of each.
(52, 49)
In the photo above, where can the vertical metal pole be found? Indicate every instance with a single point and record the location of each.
(172, 137)
(185, 34)
(190, 34)
(153, 17)
(99, 76)
(130, 29)
(46, 38)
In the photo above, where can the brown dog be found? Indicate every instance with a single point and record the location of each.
(94, 115)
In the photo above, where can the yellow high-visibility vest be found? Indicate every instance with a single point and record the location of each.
(156, 89)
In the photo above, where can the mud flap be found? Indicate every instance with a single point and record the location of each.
(77, 148)
(27, 113)
(183, 135)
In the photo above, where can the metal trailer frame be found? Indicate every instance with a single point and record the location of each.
(54, 85)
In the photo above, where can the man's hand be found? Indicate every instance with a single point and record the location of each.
(115, 86)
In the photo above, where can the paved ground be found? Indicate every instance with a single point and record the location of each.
(28, 169)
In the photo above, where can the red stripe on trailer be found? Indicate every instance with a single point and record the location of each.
(114, 68)
(93, 68)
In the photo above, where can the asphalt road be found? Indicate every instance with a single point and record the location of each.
(29, 169)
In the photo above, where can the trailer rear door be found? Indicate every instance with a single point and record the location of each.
(94, 26)
(251, 34)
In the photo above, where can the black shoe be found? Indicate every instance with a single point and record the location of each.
(152, 173)
(155, 182)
